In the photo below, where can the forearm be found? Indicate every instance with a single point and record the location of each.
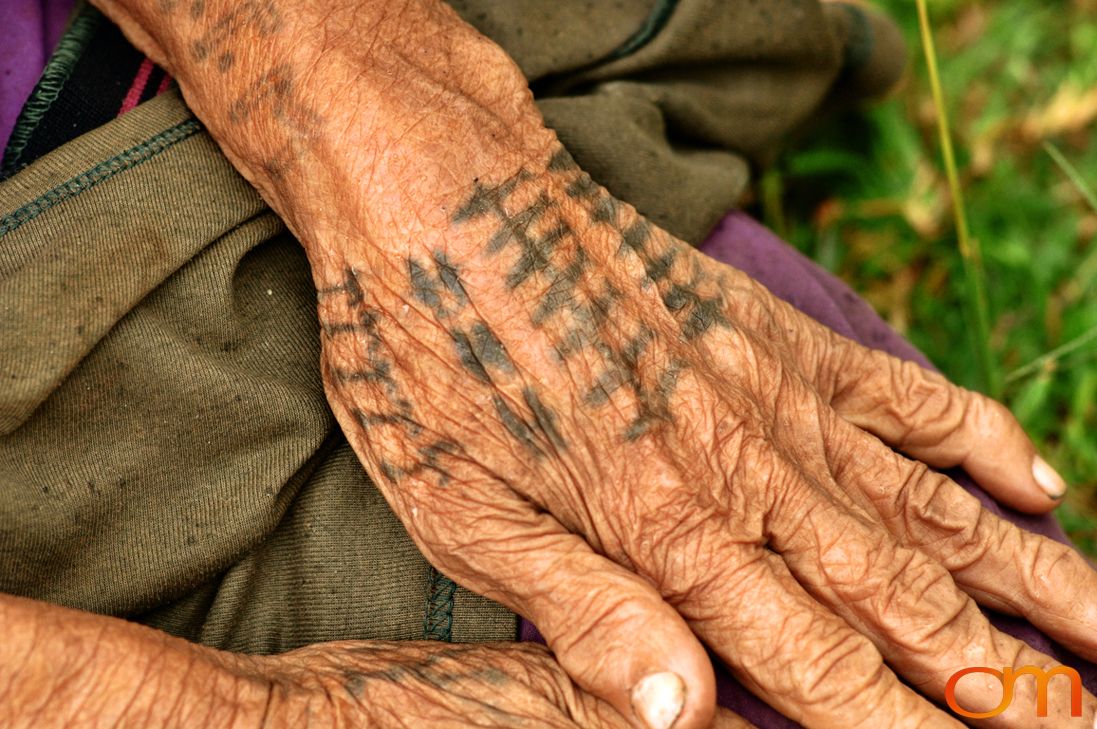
(63, 668)
(418, 100)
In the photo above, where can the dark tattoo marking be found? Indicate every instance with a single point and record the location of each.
(274, 86)
(636, 236)
(350, 287)
(583, 188)
(433, 290)
(423, 286)
(655, 405)
(275, 90)
(538, 235)
(545, 418)
(516, 426)
(605, 211)
(562, 161)
(260, 14)
(702, 313)
(450, 277)
(535, 252)
(479, 349)
(371, 420)
(536, 255)
(428, 462)
(561, 292)
(486, 200)
(379, 371)
(440, 670)
(488, 348)
(467, 356)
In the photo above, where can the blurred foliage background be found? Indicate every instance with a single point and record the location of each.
(867, 197)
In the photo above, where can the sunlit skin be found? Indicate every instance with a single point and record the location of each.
(581, 417)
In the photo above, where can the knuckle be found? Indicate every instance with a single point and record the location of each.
(612, 608)
(703, 595)
(1048, 567)
(920, 603)
(844, 668)
(927, 406)
(925, 504)
(967, 538)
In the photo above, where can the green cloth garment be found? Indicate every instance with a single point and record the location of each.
(166, 451)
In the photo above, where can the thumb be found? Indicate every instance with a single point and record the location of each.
(609, 629)
(922, 414)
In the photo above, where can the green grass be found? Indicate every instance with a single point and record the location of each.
(867, 195)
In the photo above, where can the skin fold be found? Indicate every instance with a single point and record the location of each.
(78, 669)
(579, 416)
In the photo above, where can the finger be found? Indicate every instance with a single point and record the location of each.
(584, 708)
(610, 630)
(925, 627)
(924, 415)
(998, 563)
(793, 653)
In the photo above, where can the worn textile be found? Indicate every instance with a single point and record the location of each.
(673, 110)
(166, 452)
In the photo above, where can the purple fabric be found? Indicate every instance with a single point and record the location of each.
(743, 243)
(29, 30)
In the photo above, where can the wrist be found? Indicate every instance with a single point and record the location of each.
(60, 668)
(351, 118)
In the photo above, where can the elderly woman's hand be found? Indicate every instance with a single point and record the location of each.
(637, 448)
(70, 669)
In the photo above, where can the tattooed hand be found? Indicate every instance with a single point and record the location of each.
(579, 416)
(71, 669)
(397, 685)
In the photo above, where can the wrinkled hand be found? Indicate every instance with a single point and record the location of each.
(577, 415)
(396, 685)
(72, 669)
(581, 417)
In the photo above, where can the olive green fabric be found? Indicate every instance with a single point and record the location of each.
(709, 88)
(166, 452)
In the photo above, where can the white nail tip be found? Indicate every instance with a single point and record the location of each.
(658, 699)
(1050, 481)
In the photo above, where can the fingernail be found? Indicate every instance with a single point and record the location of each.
(658, 699)
(1050, 481)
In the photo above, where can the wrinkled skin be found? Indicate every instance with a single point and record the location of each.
(71, 669)
(577, 415)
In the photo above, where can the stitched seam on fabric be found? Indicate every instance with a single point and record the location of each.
(101, 172)
(56, 74)
(652, 26)
(438, 621)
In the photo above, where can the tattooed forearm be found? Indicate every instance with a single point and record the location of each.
(275, 95)
(260, 15)
(212, 34)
